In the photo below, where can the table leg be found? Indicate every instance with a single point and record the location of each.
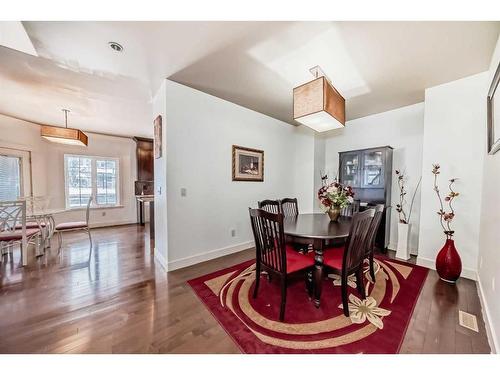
(318, 270)
(40, 245)
(141, 213)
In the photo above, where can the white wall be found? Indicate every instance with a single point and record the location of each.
(402, 129)
(160, 169)
(200, 130)
(489, 234)
(454, 136)
(48, 168)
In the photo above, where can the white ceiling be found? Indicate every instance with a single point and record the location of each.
(377, 66)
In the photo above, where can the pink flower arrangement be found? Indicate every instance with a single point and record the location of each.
(335, 195)
(445, 217)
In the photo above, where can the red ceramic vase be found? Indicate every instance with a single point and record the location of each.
(448, 263)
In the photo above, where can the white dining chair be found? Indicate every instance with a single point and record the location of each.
(36, 204)
(74, 226)
(13, 229)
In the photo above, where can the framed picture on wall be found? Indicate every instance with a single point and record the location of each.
(158, 137)
(248, 164)
(493, 104)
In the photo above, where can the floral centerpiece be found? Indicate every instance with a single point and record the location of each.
(334, 197)
(448, 262)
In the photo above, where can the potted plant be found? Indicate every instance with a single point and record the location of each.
(404, 226)
(448, 262)
(334, 197)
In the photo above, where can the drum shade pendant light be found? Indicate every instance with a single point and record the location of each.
(317, 104)
(67, 136)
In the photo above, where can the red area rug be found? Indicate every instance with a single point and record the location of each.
(376, 325)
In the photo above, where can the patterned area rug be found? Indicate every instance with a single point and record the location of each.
(375, 325)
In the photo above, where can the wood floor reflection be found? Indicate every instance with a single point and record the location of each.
(123, 302)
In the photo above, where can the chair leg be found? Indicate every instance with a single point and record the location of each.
(345, 304)
(257, 280)
(309, 283)
(60, 237)
(360, 282)
(372, 271)
(283, 298)
(90, 240)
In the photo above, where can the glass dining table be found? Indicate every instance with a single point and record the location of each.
(319, 231)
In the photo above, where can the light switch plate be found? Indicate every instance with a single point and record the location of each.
(183, 192)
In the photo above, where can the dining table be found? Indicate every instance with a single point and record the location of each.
(319, 231)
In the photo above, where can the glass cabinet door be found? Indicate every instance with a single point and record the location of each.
(373, 169)
(350, 169)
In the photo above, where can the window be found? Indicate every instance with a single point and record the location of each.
(88, 176)
(10, 177)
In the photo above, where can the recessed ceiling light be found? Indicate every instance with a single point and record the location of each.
(116, 46)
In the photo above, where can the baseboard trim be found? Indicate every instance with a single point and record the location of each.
(209, 255)
(431, 263)
(161, 260)
(111, 224)
(490, 330)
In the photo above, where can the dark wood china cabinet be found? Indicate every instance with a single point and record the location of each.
(369, 172)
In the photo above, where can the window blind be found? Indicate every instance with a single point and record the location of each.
(10, 178)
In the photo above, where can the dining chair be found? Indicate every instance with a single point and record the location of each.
(37, 204)
(289, 207)
(351, 209)
(372, 235)
(273, 255)
(13, 229)
(74, 226)
(348, 259)
(269, 205)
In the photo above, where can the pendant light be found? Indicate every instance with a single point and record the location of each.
(317, 104)
(67, 136)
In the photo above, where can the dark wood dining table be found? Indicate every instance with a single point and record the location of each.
(319, 231)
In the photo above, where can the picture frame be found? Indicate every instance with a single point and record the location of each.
(248, 164)
(493, 114)
(158, 136)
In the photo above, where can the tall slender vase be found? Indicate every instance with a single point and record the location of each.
(403, 249)
(448, 262)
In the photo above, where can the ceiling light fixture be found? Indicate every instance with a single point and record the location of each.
(317, 104)
(67, 136)
(116, 46)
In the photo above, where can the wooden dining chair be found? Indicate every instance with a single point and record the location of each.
(372, 235)
(272, 253)
(270, 205)
(351, 209)
(289, 207)
(74, 226)
(348, 259)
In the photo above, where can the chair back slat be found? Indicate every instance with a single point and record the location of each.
(351, 209)
(270, 205)
(356, 242)
(12, 214)
(269, 239)
(372, 232)
(289, 207)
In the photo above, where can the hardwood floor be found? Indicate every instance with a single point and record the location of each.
(125, 303)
